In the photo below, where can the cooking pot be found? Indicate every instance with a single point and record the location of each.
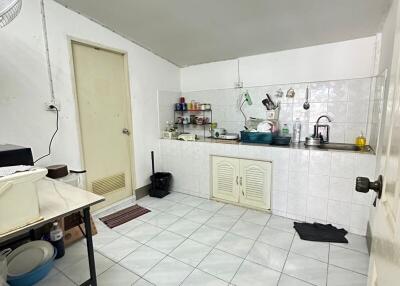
(217, 132)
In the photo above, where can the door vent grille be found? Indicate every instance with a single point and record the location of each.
(108, 184)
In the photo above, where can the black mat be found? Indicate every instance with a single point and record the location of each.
(320, 232)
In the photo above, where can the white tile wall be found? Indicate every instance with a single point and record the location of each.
(346, 101)
(307, 184)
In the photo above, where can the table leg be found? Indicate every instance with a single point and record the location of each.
(88, 230)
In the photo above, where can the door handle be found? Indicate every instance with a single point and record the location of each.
(363, 185)
(126, 131)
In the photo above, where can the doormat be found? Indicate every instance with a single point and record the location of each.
(123, 216)
(320, 232)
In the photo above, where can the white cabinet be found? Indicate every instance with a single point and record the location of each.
(246, 182)
(226, 178)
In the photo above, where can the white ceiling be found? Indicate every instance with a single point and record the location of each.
(188, 32)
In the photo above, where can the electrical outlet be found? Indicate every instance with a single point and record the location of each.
(238, 84)
(52, 103)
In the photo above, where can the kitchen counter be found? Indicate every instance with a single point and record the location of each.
(299, 146)
(308, 183)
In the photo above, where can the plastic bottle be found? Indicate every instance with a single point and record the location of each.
(57, 239)
(361, 141)
(296, 131)
(285, 130)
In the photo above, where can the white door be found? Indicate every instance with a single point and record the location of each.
(225, 178)
(101, 81)
(385, 219)
(255, 183)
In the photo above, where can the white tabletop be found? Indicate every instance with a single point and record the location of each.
(56, 200)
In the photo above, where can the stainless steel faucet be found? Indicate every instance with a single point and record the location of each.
(325, 134)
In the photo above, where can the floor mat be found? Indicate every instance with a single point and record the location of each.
(320, 232)
(123, 216)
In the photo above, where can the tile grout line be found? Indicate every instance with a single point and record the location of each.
(212, 248)
(327, 267)
(244, 259)
(287, 257)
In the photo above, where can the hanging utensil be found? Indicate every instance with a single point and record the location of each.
(290, 93)
(279, 93)
(306, 104)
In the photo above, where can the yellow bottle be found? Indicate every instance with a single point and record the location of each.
(361, 141)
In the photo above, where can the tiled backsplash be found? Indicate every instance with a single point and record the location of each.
(346, 101)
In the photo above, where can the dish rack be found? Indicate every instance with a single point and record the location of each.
(257, 137)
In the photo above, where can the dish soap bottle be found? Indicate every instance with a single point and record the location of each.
(296, 131)
(361, 141)
(285, 130)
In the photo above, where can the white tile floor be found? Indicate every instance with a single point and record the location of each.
(191, 241)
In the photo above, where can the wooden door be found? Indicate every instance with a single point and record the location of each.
(225, 178)
(255, 183)
(385, 218)
(103, 99)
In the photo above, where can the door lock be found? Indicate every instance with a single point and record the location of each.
(363, 185)
(126, 131)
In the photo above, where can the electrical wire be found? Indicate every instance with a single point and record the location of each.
(52, 137)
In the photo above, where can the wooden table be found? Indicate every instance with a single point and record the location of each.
(58, 200)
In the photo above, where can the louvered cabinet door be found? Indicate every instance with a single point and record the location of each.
(255, 183)
(226, 178)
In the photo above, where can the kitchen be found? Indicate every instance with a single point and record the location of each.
(204, 139)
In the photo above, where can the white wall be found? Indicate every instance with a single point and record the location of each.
(24, 86)
(27, 84)
(343, 60)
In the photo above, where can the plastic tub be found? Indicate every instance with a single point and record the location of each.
(281, 140)
(35, 275)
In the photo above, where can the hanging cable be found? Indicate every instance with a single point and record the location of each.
(52, 137)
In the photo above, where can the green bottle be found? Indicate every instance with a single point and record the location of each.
(285, 130)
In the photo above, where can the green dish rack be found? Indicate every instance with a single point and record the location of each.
(256, 137)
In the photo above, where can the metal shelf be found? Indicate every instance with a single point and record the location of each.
(194, 110)
(193, 125)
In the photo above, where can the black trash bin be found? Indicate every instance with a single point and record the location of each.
(160, 183)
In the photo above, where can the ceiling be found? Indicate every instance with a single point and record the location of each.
(188, 32)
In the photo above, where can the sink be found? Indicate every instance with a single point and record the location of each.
(341, 146)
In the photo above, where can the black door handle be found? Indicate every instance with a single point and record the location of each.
(363, 185)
